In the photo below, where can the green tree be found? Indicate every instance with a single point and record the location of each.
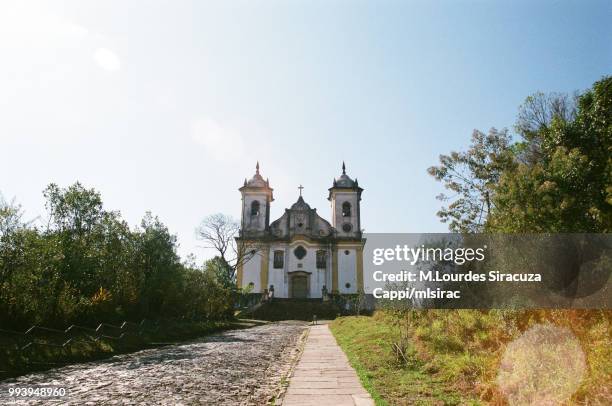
(159, 266)
(564, 184)
(87, 266)
(557, 178)
(74, 208)
(10, 217)
(471, 176)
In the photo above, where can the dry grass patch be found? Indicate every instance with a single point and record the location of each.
(483, 357)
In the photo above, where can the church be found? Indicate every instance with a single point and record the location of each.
(301, 254)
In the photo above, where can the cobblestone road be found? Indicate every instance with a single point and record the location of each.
(240, 367)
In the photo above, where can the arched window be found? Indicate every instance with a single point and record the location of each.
(321, 259)
(346, 209)
(279, 259)
(255, 208)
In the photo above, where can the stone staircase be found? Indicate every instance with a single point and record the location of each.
(293, 309)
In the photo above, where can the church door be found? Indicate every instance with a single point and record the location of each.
(299, 286)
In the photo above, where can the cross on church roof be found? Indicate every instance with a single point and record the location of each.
(300, 187)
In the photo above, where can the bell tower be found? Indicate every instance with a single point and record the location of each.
(256, 198)
(345, 198)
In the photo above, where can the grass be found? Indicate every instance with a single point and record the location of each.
(449, 357)
(368, 342)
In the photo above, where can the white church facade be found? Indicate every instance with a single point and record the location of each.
(301, 255)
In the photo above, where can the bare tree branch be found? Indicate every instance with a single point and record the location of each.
(221, 233)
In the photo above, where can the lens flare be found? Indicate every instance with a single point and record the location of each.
(542, 367)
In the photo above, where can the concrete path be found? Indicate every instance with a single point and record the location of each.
(323, 375)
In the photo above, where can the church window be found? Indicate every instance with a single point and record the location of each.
(346, 209)
(347, 285)
(346, 252)
(255, 208)
(300, 252)
(347, 227)
(279, 259)
(321, 259)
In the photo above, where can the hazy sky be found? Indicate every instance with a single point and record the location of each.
(166, 106)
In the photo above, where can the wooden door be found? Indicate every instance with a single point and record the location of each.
(299, 286)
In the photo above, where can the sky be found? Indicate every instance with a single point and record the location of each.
(165, 106)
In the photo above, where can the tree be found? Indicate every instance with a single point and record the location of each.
(221, 233)
(535, 117)
(159, 267)
(557, 178)
(74, 208)
(472, 176)
(88, 266)
(566, 186)
(539, 110)
(10, 217)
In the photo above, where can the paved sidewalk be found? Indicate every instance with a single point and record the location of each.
(323, 375)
